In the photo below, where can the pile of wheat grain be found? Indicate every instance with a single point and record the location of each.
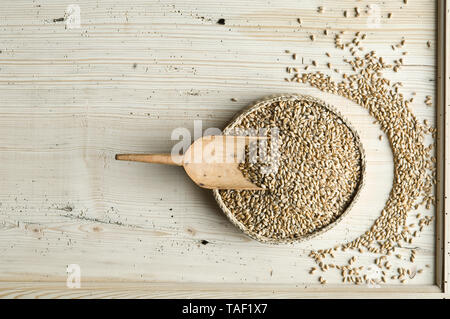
(319, 170)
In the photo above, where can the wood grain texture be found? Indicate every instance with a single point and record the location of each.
(193, 290)
(70, 99)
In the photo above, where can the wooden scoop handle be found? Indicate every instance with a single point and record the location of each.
(167, 159)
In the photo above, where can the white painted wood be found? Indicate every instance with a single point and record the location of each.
(72, 98)
(193, 290)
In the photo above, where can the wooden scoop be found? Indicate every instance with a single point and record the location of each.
(211, 161)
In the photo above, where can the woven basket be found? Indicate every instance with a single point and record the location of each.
(291, 97)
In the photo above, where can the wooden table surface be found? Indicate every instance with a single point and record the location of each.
(71, 98)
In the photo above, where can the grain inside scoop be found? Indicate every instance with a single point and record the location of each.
(211, 161)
